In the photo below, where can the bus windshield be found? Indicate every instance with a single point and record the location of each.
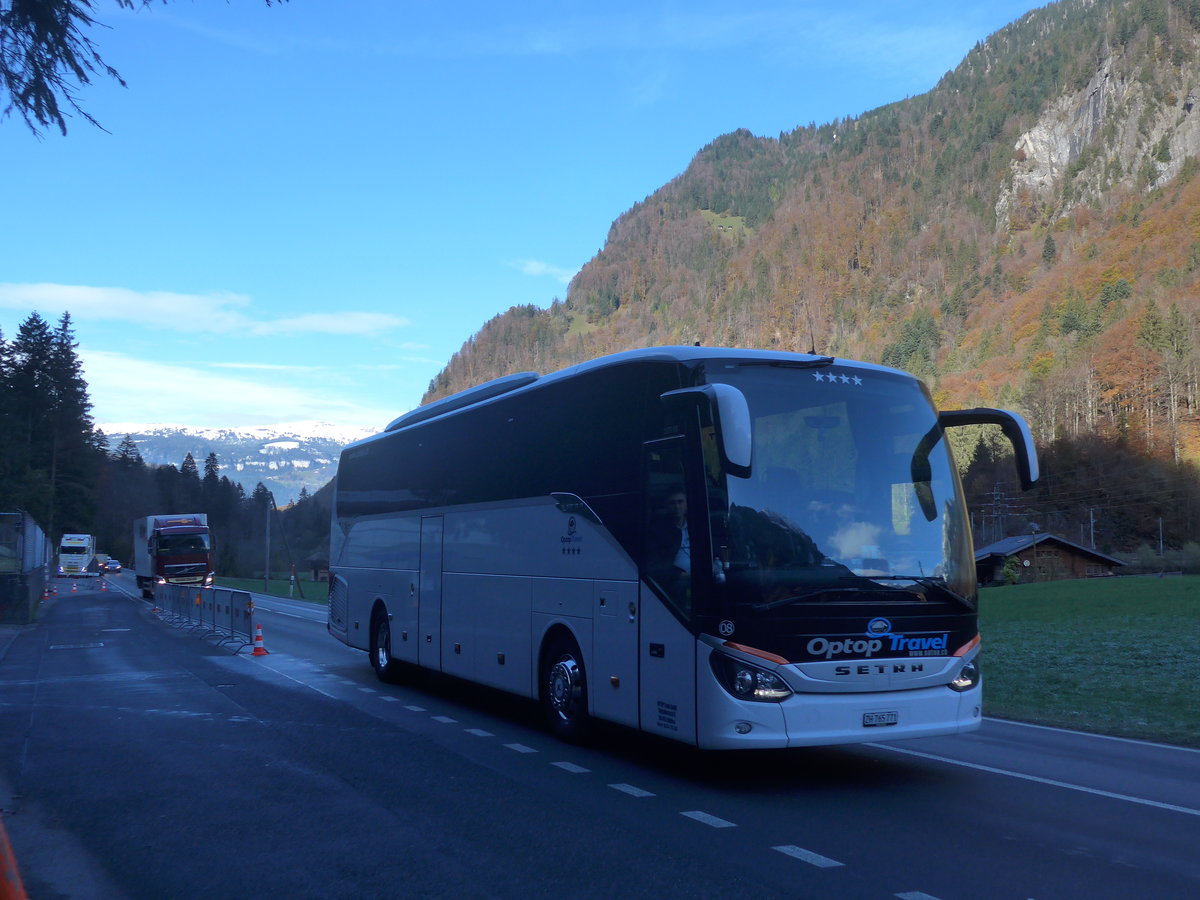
(852, 485)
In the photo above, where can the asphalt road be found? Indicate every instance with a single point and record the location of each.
(140, 760)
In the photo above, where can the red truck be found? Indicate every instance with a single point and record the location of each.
(172, 550)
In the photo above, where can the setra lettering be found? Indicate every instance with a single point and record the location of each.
(880, 669)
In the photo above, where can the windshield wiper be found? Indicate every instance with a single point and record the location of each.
(925, 581)
(818, 592)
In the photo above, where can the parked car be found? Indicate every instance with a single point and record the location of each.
(111, 567)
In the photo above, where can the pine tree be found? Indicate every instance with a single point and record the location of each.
(188, 468)
(128, 454)
(76, 452)
(1049, 250)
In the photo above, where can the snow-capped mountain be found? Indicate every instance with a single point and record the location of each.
(283, 457)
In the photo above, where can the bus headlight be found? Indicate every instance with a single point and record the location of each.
(967, 678)
(747, 682)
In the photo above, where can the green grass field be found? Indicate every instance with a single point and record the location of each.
(314, 591)
(1110, 655)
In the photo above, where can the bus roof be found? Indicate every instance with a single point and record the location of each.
(524, 381)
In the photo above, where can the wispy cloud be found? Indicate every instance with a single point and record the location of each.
(192, 395)
(218, 312)
(332, 323)
(263, 367)
(539, 269)
(794, 35)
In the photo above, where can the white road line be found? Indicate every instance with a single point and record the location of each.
(1141, 801)
(708, 820)
(815, 859)
(1092, 734)
(571, 767)
(520, 748)
(367, 690)
(631, 790)
(416, 708)
(445, 720)
(915, 895)
(479, 732)
(390, 699)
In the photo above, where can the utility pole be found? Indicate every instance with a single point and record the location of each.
(267, 551)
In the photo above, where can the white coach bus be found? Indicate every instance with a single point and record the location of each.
(729, 548)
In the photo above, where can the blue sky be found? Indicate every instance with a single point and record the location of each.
(300, 212)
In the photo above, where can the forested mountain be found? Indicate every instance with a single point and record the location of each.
(1026, 234)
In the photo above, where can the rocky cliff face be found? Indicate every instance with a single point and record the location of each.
(1118, 131)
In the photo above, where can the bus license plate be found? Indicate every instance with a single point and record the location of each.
(877, 719)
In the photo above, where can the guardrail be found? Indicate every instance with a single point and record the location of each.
(217, 612)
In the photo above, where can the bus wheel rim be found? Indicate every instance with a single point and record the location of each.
(565, 687)
(383, 652)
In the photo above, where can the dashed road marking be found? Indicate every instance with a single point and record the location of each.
(706, 819)
(916, 895)
(445, 720)
(415, 708)
(815, 859)
(520, 748)
(479, 732)
(631, 790)
(571, 767)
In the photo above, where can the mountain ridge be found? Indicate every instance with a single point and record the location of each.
(1008, 235)
(285, 457)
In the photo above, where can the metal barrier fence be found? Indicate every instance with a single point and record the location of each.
(25, 555)
(217, 612)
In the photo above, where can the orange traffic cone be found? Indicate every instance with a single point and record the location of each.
(103, 584)
(74, 587)
(259, 649)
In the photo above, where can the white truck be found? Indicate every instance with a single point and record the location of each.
(77, 556)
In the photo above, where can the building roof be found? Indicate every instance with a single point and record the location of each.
(1011, 545)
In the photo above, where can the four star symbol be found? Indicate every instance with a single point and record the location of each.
(834, 378)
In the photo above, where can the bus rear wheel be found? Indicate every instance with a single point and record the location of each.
(387, 667)
(564, 690)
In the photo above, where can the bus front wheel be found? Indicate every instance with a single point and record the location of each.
(387, 667)
(564, 690)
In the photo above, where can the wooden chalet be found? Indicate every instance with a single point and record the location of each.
(1042, 557)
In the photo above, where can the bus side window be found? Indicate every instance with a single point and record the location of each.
(667, 557)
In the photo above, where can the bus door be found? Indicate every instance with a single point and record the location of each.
(429, 601)
(667, 647)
